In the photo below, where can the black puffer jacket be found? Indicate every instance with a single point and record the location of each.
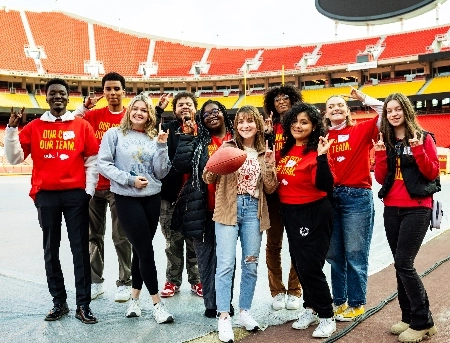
(191, 206)
(171, 183)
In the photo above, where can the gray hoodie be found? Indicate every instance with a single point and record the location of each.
(122, 157)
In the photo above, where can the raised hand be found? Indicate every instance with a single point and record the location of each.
(355, 94)
(189, 124)
(162, 136)
(379, 146)
(268, 124)
(324, 145)
(269, 156)
(416, 140)
(91, 102)
(164, 100)
(140, 182)
(14, 119)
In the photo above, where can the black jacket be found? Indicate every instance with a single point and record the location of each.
(417, 185)
(191, 207)
(171, 183)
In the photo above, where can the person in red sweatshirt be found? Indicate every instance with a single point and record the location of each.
(305, 175)
(407, 167)
(277, 101)
(64, 152)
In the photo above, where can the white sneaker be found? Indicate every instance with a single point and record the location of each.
(123, 293)
(225, 329)
(245, 319)
(326, 328)
(160, 314)
(305, 319)
(278, 302)
(96, 290)
(293, 302)
(134, 310)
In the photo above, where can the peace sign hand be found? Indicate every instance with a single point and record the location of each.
(269, 156)
(164, 100)
(162, 136)
(379, 146)
(91, 102)
(324, 145)
(15, 118)
(416, 140)
(268, 124)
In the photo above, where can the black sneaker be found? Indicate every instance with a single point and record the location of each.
(57, 312)
(84, 314)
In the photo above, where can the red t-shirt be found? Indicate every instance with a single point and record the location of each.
(101, 120)
(215, 144)
(350, 153)
(428, 162)
(58, 150)
(296, 174)
(278, 137)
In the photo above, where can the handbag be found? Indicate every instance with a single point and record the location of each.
(436, 215)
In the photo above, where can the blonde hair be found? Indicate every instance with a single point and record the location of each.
(252, 112)
(348, 119)
(149, 128)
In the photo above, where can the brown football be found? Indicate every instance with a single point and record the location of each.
(226, 160)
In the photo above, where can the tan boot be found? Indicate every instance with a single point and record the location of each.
(414, 336)
(398, 328)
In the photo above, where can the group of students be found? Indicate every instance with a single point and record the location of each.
(305, 172)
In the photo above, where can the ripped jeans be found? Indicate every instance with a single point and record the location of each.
(247, 229)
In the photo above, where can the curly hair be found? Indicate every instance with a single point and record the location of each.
(269, 99)
(180, 95)
(125, 123)
(57, 81)
(250, 113)
(113, 76)
(348, 119)
(290, 118)
(411, 124)
(204, 137)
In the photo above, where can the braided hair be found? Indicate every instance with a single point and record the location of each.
(204, 138)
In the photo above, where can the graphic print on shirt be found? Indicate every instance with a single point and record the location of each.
(57, 140)
(286, 166)
(142, 158)
(103, 126)
(249, 171)
(279, 141)
(341, 144)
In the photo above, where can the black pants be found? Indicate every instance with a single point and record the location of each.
(74, 205)
(309, 228)
(405, 230)
(139, 219)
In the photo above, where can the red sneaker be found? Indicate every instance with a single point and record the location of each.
(169, 290)
(197, 289)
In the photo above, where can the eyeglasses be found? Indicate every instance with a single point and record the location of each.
(281, 97)
(214, 112)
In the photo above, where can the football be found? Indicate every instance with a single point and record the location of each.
(226, 160)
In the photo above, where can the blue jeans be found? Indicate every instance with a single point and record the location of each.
(247, 229)
(348, 255)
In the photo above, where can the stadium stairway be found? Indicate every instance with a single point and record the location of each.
(33, 100)
(421, 90)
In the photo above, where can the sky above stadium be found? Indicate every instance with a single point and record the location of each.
(225, 23)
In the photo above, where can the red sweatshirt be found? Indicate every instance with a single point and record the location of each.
(58, 150)
(101, 120)
(296, 174)
(350, 153)
(428, 163)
